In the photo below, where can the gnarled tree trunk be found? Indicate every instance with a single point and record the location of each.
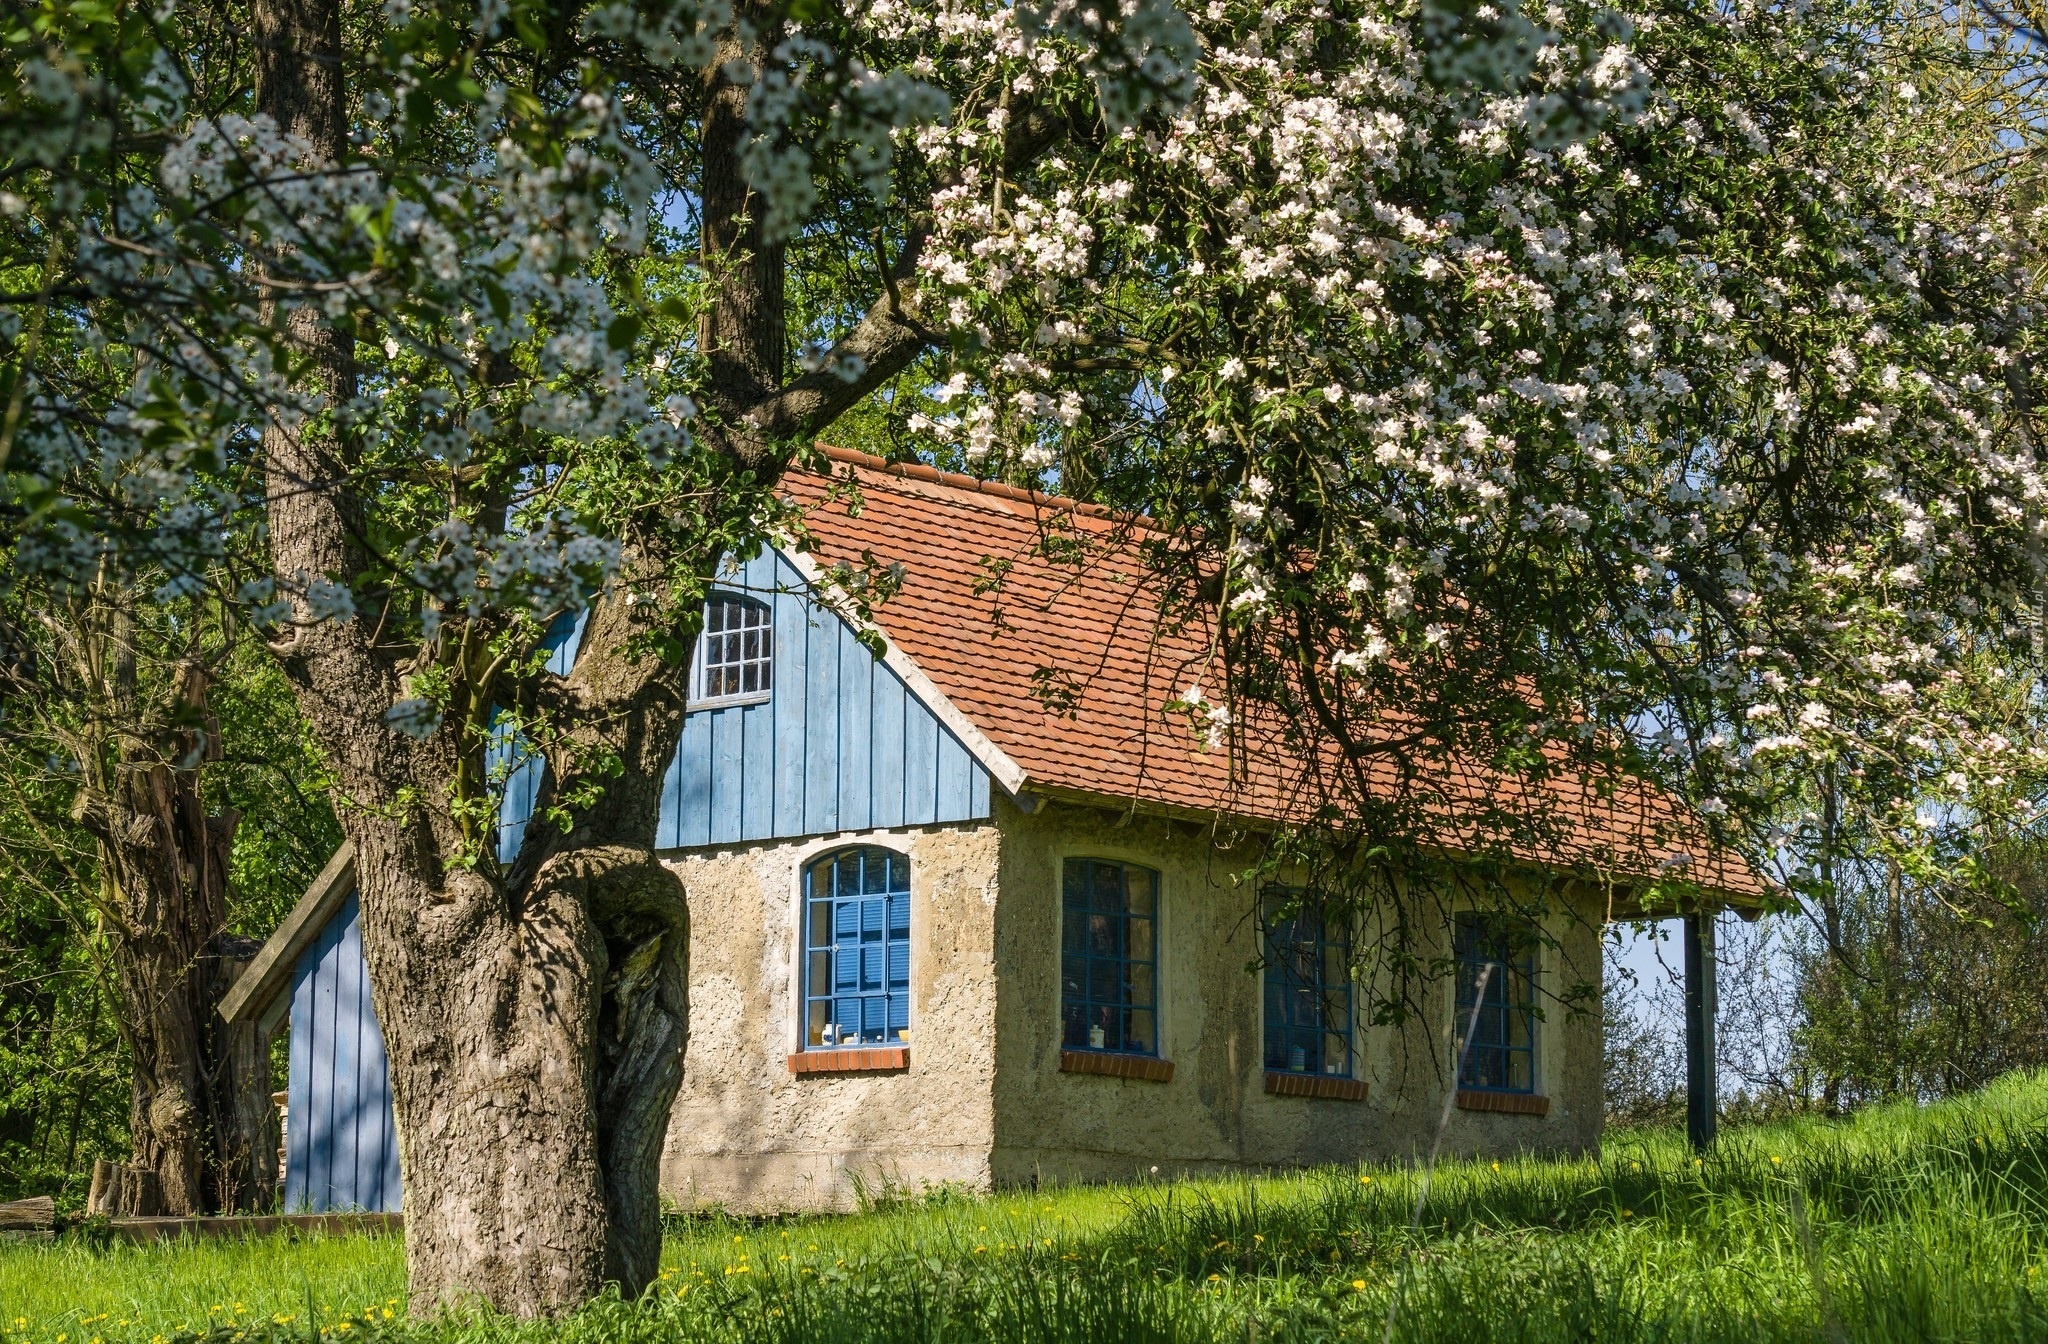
(164, 868)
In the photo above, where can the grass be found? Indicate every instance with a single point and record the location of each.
(1904, 1224)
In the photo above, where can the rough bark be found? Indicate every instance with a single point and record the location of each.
(535, 1017)
(164, 870)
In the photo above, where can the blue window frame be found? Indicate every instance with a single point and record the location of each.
(1501, 1056)
(1308, 991)
(1108, 957)
(857, 949)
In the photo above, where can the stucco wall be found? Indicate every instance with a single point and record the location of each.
(984, 1101)
(749, 1135)
(1215, 1113)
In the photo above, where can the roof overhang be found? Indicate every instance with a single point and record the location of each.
(261, 987)
(992, 758)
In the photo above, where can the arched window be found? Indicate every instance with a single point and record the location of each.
(857, 949)
(736, 653)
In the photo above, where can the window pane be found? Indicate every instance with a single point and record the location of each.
(857, 967)
(1107, 967)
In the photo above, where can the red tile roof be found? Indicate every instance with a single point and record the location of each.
(1068, 669)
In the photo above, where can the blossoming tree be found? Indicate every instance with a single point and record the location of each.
(1502, 371)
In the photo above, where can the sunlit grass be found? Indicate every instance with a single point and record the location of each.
(1904, 1224)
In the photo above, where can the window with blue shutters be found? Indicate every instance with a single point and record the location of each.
(1308, 991)
(857, 949)
(1108, 957)
(1501, 1056)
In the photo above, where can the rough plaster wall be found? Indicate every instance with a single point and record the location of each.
(1215, 1113)
(747, 1134)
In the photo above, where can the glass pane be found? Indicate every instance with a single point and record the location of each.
(1140, 939)
(814, 1027)
(1108, 888)
(1139, 1031)
(1105, 983)
(819, 980)
(1139, 890)
(1074, 885)
(1073, 1027)
(1140, 985)
(821, 919)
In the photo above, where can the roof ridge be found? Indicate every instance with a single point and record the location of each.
(918, 471)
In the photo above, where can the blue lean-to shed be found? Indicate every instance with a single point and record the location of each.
(838, 742)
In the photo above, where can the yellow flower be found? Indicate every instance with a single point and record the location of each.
(1627, 1213)
(1774, 1159)
(1365, 1180)
(1358, 1284)
(980, 1250)
(1215, 1278)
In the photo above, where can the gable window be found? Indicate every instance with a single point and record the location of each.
(857, 949)
(1501, 1056)
(1108, 957)
(1308, 991)
(736, 652)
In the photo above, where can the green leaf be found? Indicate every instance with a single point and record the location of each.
(501, 302)
(624, 330)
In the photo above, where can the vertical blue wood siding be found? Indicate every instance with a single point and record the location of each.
(839, 745)
(341, 1148)
(507, 752)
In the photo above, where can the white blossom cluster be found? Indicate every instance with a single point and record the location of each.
(1416, 332)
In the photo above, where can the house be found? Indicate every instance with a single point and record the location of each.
(965, 912)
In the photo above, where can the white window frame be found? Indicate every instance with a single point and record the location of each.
(698, 698)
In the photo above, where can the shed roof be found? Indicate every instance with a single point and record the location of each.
(1067, 670)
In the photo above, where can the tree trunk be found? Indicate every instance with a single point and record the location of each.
(164, 862)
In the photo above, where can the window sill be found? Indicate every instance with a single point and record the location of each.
(1144, 1068)
(1503, 1103)
(729, 701)
(1323, 1085)
(852, 1059)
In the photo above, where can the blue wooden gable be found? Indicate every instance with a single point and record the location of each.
(839, 744)
(341, 1147)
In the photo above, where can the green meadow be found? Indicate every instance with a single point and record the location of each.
(1904, 1223)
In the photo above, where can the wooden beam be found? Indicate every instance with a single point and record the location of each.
(270, 970)
(1701, 1099)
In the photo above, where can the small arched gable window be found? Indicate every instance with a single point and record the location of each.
(857, 949)
(736, 652)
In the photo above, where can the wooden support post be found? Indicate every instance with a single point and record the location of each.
(1700, 1095)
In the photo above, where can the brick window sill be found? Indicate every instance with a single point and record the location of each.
(1503, 1103)
(858, 1059)
(1284, 1084)
(1144, 1068)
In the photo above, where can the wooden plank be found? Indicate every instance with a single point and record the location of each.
(36, 1214)
(852, 759)
(345, 1156)
(757, 770)
(298, 1085)
(728, 761)
(149, 1230)
(978, 801)
(693, 794)
(271, 971)
(791, 671)
(668, 824)
(822, 727)
(885, 762)
(920, 764)
(954, 802)
(377, 1171)
(318, 1118)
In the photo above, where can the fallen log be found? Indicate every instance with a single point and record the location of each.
(29, 1215)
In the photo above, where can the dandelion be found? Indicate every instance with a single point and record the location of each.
(1358, 1285)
